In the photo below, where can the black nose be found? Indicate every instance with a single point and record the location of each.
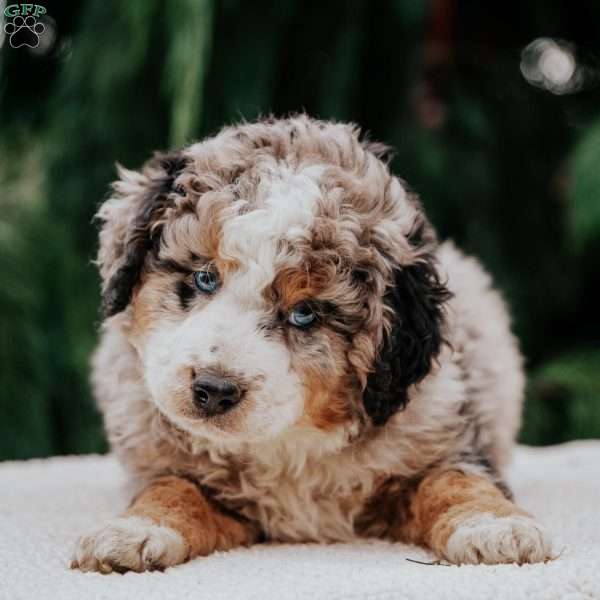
(215, 395)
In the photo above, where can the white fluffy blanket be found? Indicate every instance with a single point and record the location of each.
(45, 504)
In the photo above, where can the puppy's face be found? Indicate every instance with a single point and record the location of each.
(241, 322)
(263, 272)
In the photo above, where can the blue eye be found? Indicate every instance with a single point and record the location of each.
(302, 315)
(207, 280)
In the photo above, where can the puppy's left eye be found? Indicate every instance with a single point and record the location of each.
(302, 315)
(207, 280)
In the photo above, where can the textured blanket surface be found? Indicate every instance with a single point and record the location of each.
(45, 504)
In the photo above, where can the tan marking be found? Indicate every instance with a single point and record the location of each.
(154, 297)
(327, 402)
(445, 500)
(179, 504)
(429, 512)
(292, 286)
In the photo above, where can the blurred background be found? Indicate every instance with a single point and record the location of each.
(493, 109)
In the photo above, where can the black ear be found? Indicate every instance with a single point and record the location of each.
(131, 226)
(416, 299)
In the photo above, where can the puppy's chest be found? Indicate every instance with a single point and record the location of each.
(316, 503)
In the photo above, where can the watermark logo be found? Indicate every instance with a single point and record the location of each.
(25, 29)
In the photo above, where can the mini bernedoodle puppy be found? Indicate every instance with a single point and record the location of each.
(289, 354)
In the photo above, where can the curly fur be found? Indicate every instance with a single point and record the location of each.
(416, 299)
(411, 366)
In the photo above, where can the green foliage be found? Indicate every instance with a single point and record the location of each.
(563, 399)
(584, 197)
(507, 170)
(190, 29)
(24, 374)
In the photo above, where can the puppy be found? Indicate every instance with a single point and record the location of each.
(288, 354)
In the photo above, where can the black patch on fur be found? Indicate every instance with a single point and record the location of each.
(388, 508)
(479, 452)
(417, 298)
(482, 461)
(479, 456)
(186, 293)
(143, 237)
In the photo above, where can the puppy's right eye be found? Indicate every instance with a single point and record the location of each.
(207, 280)
(302, 316)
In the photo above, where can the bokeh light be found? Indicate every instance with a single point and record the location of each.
(550, 64)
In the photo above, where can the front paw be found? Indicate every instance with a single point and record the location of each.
(130, 544)
(485, 538)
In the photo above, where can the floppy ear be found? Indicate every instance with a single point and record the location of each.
(416, 299)
(131, 226)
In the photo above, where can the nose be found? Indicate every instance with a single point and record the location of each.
(215, 395)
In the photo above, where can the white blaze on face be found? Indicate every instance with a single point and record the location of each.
(226, 332)
(286, 204)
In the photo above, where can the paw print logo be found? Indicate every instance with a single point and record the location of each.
(24, 31)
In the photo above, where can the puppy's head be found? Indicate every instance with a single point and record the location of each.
(272, 276)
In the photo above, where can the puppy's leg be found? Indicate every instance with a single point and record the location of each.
(168, 523)
(463, 518)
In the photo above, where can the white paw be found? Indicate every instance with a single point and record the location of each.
(129, 544)
(487, 539)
